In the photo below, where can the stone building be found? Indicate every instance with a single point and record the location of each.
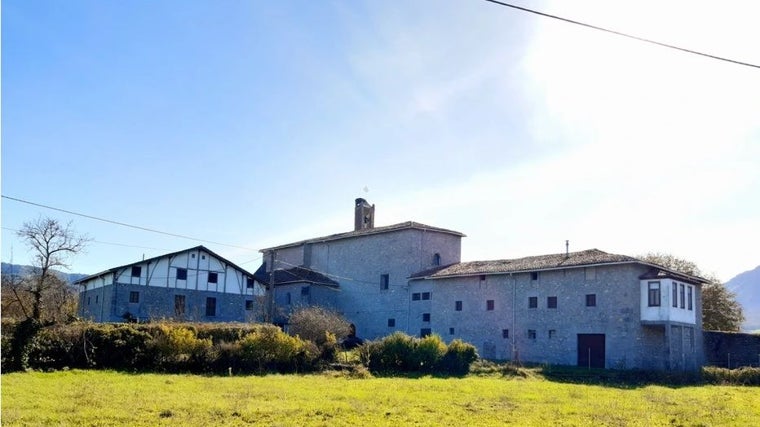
(587, 308)
(193, 284)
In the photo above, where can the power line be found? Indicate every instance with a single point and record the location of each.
(642, 39)
(107, 243)
(124, 224)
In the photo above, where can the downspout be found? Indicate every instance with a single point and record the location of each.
(514, 316)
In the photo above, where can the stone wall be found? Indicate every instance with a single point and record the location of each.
(731, 350)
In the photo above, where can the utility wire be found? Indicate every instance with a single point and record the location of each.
(642, 39)
(123, 224)
(107, 243)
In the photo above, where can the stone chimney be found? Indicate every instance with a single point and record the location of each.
(364, 215)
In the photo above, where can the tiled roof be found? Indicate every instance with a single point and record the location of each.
(294, 275)
(532, 263)
(657, 272)
(367, 232)
(171, 254)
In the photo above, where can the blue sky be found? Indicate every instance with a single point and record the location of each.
(257, 123)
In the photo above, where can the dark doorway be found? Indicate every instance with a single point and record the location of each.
(591, 350)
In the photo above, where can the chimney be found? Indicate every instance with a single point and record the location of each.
(364, 215)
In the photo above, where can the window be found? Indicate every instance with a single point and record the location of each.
(654, 294)
(287, 298)
(451, 331)
(551, 302)
(552, 333)
(590, 300)
(416, 296)
(96, 299)
(425, 332)
(210, 306)
(249, 282)
(489, 305)
(88, 300)
(437, 259)
(683, 295)
(458, 305)
(179, 305)
(213, 277)
(531, 334)
(384, 280)
(203, 256)
(192, 256)
(181, 274)
(534, 275)
(532, 302)
(505, 333)
(249, 304)
(305, 290)
(675, 294)
(426, 295)
(482, 277)
(134, 297)
(425, 317)
(691, 298)
(391, 323)
(136, 271)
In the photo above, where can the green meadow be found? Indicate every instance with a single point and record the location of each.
(104, 398)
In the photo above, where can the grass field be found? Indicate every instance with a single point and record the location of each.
(98, 398)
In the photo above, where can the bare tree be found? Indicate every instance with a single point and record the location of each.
(52, 244)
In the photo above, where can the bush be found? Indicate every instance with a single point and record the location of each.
(401, 353)
(268, 348)
(741, 376)
(179, 348)
(314, 324)
(458, 358)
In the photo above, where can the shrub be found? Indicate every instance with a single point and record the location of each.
(741, 376)
(268, 348)
(118, 347)
(314, 324)
(458, 358)
(179, 348)
(427, 353)
(392, 353)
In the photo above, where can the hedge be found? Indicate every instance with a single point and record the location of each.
(401, 353)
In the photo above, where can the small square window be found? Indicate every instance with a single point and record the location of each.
(416, 296)
(551, 302)
(426, 295)
(482, 277)
(425, 317)
(391, 323)
(425, 332)
(134, 297)
(305, 290)
(531, 334)
(489, 305)
(192, 256)
(384, 281)
(458, 305)
(249, 304)
(552, 333)
(213, 277)
(534, 275)
(136, 271)
(249, 282)
(590, 300)
(181, 274)
(203, 256)
(532, 302)
(451, 331)
(505, 333)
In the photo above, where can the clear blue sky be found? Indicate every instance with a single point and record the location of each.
(256, 123)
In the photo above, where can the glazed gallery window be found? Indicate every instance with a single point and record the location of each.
(654, 294)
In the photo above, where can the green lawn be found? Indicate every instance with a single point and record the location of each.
(109, 398)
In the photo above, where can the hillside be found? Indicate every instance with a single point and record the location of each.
(747, 288)
(26, 269)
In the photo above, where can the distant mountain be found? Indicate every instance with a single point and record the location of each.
(747, 288)
(27, 269)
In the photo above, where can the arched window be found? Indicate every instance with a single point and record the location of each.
(437, 259)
